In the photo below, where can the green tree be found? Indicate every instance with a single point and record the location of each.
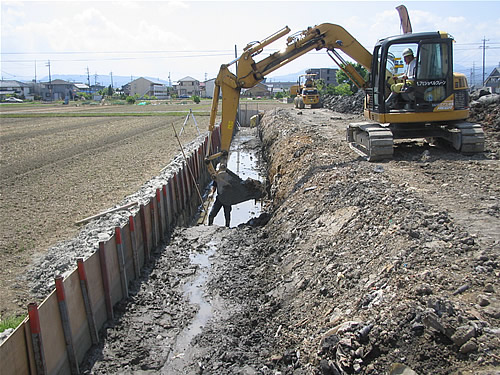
(279, 95)
(344, 89)
(130, 100)
(321, 86)
(196, 99)
(344, 78)
(110, 91)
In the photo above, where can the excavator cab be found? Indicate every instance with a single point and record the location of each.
(434, 89)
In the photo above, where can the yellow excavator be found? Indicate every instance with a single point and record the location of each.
(305, 92)
(434, 106)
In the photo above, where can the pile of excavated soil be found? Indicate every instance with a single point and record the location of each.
(486, 110)
(356, 268)
(345, 104)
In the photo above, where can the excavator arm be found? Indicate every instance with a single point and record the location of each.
(249, 73)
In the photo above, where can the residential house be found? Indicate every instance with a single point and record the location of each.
(82, 87)
(259, 90)
(493, 81)
(12, 87)
(187, 86)
(208, 92)
(58, 89)
(142, 87)
(328, 75)
(276, 87)
(96, 87)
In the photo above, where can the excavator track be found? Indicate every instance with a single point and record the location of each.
(370, 140)
(467, 137)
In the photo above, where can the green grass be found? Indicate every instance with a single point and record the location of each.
(11, 322)
(111, 114)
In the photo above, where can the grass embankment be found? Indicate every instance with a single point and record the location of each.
(10, 322)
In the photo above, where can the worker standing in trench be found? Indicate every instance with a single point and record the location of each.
(218, 204)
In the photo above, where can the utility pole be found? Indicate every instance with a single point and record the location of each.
(484, 54)
(88, 80)
(236, 56)
(473, 73)
(50, 80)
(35, 71)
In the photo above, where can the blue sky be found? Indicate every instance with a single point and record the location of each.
(193, 38)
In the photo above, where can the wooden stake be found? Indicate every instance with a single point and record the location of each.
(106, 212)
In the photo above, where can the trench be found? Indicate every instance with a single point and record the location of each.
(246, 162)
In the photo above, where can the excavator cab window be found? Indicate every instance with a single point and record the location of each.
(434, 73)
(395, 72)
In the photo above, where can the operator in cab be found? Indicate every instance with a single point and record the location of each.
(408, 79)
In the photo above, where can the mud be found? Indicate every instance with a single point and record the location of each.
(351, 268)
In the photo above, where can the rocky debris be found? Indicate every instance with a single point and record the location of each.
(485, 108)
(354, 273)
(345, 104)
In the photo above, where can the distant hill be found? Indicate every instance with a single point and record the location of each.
(285, 78)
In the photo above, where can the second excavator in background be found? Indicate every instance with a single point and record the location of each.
(305, 92)
(433, 105)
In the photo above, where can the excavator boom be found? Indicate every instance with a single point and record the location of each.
(250, 73)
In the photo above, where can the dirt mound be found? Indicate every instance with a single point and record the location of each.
(357, 271)
(486, 110)
(345, 104)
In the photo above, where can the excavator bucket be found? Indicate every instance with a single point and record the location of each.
(231, 189)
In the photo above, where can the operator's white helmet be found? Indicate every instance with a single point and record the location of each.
(407, 52)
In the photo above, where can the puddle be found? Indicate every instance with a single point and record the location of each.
(181, 354)
(245, 163)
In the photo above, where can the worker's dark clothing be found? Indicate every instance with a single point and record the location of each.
(215, 210)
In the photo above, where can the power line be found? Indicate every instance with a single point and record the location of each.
(112, 52)
(129, 58)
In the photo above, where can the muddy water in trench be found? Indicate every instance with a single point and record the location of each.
(245, 161)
